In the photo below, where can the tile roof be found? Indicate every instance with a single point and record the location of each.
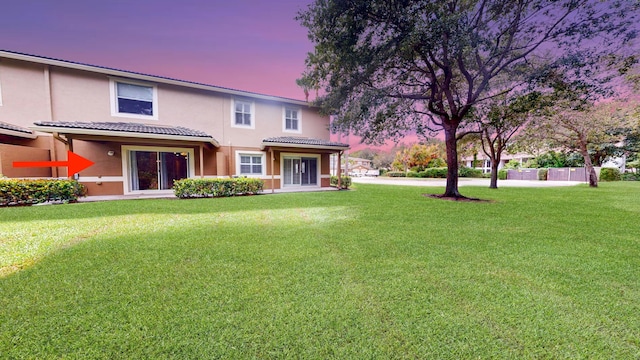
(293, 140)
(126, 127)
(7, 126)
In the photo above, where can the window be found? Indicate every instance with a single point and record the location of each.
(242, 114)
(250, 163)
(291, 121)
(130, 99)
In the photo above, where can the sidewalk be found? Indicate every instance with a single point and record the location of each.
(461, 182)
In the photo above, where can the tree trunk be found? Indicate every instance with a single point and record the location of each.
(591, 172)
(452, 161)
(494, 174)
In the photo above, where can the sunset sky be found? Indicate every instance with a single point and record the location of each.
(248, 45)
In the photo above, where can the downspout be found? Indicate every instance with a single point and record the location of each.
(49, 99)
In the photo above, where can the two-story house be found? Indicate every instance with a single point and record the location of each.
(144, 131)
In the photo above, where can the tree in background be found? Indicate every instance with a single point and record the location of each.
(419, 157)
(574, 123)
(392, 67)
(499, 119)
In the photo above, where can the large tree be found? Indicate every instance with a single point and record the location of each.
(390, 67)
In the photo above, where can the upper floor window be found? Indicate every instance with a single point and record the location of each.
(291, 121)
(242, 114)
(132, 99)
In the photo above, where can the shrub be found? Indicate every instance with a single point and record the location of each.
(502, 174)
(630, 177)
(414, 174)
(189, 188)
(512, 164)
(14, 192)
(464, 171)
(345, 182)
(610, 174)
(439, 173)
(542, 174)
(395, 174)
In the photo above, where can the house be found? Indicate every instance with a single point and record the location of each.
(483, 162)
(143, 131)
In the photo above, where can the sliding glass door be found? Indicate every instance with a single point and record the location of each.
(156, 170)
(300, 171)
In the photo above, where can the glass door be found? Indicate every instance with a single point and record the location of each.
(156, 170)
(309, 171)
(292, 171)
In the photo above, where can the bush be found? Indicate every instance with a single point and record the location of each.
(630, 177)
(542, 174)
(610, 174)
(345, 182)
(502, 174)
(190, 188)
(15, 192)
(395, 174)
(414, 174)
(439, 173)
(464, 171)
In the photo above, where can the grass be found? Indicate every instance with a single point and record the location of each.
(379, 272)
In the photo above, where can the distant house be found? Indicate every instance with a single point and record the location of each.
(483, 162)
(145, 131)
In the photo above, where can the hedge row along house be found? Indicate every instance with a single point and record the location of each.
(145, 131)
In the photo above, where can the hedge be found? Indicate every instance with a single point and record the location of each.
(502, 174)
(18, 192)
(440, 173)
(395, 174)
(198, 188)
(344, 183)
(610, 174)
(464, 171)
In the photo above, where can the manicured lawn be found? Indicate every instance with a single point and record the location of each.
(378, 272)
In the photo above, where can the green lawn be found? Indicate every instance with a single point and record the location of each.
(378, 272)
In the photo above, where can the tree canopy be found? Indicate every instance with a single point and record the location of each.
(388, 68)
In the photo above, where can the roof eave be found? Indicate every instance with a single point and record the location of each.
(18, 133)
(127, 134)
(303, 146)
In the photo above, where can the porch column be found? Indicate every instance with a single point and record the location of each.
(201, 162)
(273, 158)
(339, 170)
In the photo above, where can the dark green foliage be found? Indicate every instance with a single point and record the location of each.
(395, 174)
(439, 173)
(414, 174)
(554, 159)
(502, 174)
(28, 192)
(610, 174)
(198, 188)
(345, 182)
(469, 172)
(631, 177)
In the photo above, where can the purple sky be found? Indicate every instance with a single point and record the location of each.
(248, 45)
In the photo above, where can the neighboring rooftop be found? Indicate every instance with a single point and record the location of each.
(142, 76)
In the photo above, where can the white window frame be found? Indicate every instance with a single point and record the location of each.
(263, 155)
(252, 109)
(125, 150)
(284, 120)
(300, 156)
(113, 88)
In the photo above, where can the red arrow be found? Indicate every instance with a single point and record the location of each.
(75, 163)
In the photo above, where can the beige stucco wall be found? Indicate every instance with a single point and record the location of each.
(24, 93)
(84, 96)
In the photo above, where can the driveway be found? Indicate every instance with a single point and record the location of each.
(461, 182)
